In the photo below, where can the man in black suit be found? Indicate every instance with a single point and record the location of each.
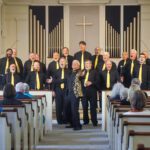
(18, 63)
(102, 64)
(129, 68)
(36, 79)
(90, 93)
(123, 62)
(142, 72)
(12, 77)
(28, 65)
(60, 84)
(82, 55)
(69, 58)
(42, 65)
(53, 66)
(97, 58)
(108, 77)
(5, 62)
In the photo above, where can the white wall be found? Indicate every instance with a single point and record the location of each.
(15, 29)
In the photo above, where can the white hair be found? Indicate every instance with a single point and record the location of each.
(19, 87)
(76, 61)
(133, 50)
(106, 53)
(26, 87)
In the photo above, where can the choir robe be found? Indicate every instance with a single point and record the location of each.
(70, 59)
(90, 94)
(3, 64)
(121, 65)
(100, 66)
(126, 73)
(145, 85)
(19, 61)
(27, 68)
(61, 114)
(100, 59)
(51, 69)
(114, 78)
(7, 78)
(78, 56)
(31, 80)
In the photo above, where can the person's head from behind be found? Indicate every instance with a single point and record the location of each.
(19, 87)
(9, 91)
(136, 81)
(26, 87)
(82, 45)
(75, 65)
(138, 100)
(123, 93)
(132, 89)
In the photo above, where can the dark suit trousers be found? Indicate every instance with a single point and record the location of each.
(60, 94)
(90, 97)
(75, 111)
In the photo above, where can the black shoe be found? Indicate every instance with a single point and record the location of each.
(94, 125)
(77, 128)
(85, 123)
(70, 126)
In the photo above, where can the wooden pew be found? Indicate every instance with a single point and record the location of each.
(15, 121)
(5, 133)
(24, 125)
(135, 138)
(142, 147)
(136, 126)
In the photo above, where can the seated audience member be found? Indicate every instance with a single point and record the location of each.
(132, 89)
(20, 91)
(124, 96)
(26, 90)
(138, 102)
(115, 94)
(9, 95)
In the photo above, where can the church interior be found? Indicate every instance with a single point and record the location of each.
(75, 74)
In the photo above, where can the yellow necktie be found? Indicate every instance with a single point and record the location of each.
(62, 77)
(37, 81)
(132, 66)
(140, 73)
(57, 65)
(96, 62)
(12, 79)
(86, 77)
(104, 66)
(7, 65)
(108, 80)
(124, 62)
(82, 61)
(17, 66)
(32, 65)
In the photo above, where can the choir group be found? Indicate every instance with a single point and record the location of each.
(74, 78)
